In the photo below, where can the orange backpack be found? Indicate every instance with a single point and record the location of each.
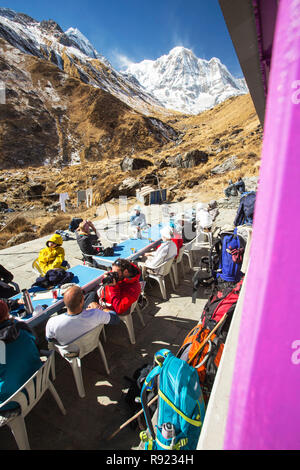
(204, 359)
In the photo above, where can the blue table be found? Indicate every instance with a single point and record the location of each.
(150, 238)
(84, 276)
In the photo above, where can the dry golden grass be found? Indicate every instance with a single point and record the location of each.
(105, 176)
(58, 222)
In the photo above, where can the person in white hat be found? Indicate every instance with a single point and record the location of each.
(165, 251)
(137, 220)
(203, 217)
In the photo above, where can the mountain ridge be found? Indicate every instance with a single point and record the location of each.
(186, 83)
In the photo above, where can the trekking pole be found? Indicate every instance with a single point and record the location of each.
(131, 419)
(207, 338)
(156, 397)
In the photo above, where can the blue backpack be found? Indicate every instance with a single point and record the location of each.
(229, 248)
(180, 403)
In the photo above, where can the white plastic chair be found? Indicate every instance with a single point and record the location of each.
(160, 278)
(203, 239)
(75, 351)
(127, 319)
(35, 388)
(176, 262)
(188, 251)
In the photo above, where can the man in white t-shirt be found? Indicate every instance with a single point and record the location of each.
(77, 321)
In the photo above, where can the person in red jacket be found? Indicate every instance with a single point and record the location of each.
(120, 295)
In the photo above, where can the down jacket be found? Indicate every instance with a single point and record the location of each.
(121, 296)
(52, 257)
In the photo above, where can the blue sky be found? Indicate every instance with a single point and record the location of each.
(134, 30)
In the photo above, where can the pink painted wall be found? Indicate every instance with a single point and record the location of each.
(264, 409)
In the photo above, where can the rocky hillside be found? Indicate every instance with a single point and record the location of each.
(52, 117)
(210, 148)
(72, 53)
(70, 122)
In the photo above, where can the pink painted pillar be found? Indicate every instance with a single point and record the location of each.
(264, 408)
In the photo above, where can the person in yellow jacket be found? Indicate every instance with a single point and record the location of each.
(53, 256)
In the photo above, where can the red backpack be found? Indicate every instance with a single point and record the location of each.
(220, 302)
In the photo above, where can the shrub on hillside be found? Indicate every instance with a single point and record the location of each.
(60, 222)
(18, 225)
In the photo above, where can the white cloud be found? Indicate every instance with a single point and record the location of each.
(120, 60)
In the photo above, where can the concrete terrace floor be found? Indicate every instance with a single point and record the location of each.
(90, 420)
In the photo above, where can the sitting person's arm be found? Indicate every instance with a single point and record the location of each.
(91, 225)
(122, 304)
(158, 257)
(59, 258)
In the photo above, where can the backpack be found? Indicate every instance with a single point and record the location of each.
(245, 212)
(108, 251)
(222, 300)
(180, 403)
(206, 359)
(228, 251)
(132, 398)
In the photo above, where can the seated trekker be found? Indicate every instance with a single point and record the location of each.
(78, 319)
(22, 356)
(86, 239)
(53, 256)
(137, 220)
(203, 218)
(120, 287)
(6, 289)
(165, 251)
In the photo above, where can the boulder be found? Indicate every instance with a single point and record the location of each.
(130, 163)
(128, 187)
(235, 132)
(3, 206)
(21, 238)
(189, 159)
(227, 165)
(35, 189)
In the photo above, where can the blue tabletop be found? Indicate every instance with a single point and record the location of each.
(84, 276)
(132, 248)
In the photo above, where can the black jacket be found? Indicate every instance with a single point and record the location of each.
(86, 243)
(6, 290)
(5, 275)
(245, 211)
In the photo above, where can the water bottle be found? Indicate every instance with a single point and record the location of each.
(27, 302)
(168, 430)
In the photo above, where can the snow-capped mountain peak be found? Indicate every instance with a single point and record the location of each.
(84, 45)
(183, 82)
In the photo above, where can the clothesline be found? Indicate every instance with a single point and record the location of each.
(82, 196)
